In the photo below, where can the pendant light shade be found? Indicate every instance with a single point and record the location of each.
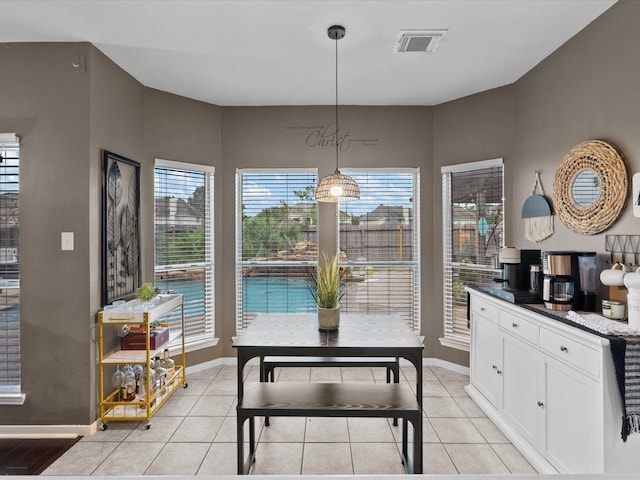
(337, 186)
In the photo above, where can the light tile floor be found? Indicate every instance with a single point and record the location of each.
(194, 434)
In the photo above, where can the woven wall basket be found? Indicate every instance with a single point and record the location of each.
(605, 161)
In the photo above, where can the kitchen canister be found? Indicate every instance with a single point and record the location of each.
(613, 310)
(632, 282)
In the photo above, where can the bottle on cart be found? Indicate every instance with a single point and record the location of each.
(161, 374)
(142, 386)
(129, 393)
(118, 381)
(168, 363)
(152, 376)
(138, 371)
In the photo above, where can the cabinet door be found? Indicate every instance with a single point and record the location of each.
(520, 386)
(485, 357)
(571, 433)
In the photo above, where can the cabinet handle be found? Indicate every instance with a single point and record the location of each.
(563, 349)
(482, 309)
(540, 404)
(495, 367)
(514, 325)
(499, 372)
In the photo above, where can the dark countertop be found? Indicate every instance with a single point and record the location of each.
(558, 315)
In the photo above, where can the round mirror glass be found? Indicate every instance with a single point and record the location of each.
(586, 188)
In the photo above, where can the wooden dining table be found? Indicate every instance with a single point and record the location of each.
(359, 335)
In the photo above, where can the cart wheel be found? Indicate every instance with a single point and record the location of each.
(148, 426)
(185, 385)
(104, 427)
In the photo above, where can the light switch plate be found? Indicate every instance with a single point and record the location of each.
(66, 241)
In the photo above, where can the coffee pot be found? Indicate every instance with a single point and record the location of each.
(569, 280)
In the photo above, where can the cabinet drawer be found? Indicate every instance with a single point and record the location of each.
(575, 353)
(484, 307)
(519, 326)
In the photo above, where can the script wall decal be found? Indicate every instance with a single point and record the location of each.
(327, 136)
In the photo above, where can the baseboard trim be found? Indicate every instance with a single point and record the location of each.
(48, 431)
(437, 362)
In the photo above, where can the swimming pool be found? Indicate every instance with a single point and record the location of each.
(276, 295)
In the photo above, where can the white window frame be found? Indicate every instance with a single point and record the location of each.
(206, 339)
(241, 321)
(449, 339)
(12, 394)
(416, 318)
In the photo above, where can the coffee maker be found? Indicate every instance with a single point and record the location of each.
(515, 280)
(569, 280)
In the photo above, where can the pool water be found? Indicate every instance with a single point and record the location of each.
(276, 295)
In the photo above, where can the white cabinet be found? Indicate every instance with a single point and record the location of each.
(553, 391)
(520, 386)
(485, 358)
(572, 426)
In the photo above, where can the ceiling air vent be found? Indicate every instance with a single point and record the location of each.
(419, 40)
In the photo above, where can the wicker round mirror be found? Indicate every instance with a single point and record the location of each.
(590, 187)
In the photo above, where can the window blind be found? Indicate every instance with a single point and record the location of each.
(183, 231)
(10, 378)
(276, 241)
(379, 237)
(472, 225)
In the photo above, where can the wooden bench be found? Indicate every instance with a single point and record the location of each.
(269, 364)
(330, 400)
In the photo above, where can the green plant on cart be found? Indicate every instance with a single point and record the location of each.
(146, 292)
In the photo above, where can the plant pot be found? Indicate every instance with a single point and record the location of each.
(328, 318)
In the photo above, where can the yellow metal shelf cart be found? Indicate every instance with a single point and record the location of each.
(113, 408)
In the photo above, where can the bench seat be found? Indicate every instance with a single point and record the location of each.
(292, 399)
(328, 399)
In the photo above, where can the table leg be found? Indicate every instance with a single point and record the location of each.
(417, 446)
(240, 445)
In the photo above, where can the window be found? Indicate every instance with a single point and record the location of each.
(10, 383)
(183, 230)
(379, 239)
(472, 221)
(276, 235)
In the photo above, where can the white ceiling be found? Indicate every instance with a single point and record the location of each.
(276, 52)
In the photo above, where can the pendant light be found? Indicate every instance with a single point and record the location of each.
(337, 187)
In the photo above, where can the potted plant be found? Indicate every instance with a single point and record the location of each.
(146, 292)
(327, 290)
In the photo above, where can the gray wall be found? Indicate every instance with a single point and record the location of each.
(275, 137)
(48, 105)
(586, 89)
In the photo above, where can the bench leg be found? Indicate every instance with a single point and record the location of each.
(269, 376)
(396, 379)
(413, 464)
(245, 466)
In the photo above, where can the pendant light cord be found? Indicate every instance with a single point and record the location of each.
(337, 124)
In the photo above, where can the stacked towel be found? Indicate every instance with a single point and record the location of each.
(602, 324)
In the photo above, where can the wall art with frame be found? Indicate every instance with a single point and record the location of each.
(121, 270)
